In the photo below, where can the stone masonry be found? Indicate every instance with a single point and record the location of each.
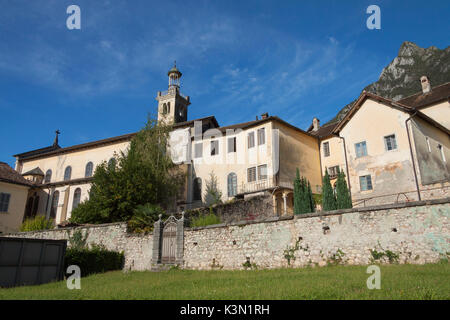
(417, 231)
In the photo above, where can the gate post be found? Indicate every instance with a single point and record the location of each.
(157, 232)
(180, 240)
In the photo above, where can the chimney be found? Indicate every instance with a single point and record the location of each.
(264, 115)
(316, 124)
(425, 82)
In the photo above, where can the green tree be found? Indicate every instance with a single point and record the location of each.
(212, 193)
(144, 174)
(303, 200)
(328, 197)
(343, 198)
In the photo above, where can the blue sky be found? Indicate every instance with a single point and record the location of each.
(294, 59)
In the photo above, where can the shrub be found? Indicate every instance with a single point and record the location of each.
(303, 197)
(144, 216)
(343, 199)
(37, 223)
(205, 220)
(94, 260)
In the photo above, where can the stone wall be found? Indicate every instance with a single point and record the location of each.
(418, 232)
(252, 209)
(114, 236)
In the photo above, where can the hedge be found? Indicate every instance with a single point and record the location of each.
(94, 260)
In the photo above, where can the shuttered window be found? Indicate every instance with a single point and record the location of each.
(198, 150)
(232, 144)
(214, 147)
(261, 136)
(4, 201)
(262, 172)
(326, 149)
(251, 140)
(251, 174)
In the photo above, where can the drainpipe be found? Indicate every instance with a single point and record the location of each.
(412, 155)
(346, 166)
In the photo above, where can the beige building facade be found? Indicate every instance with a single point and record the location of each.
(389, 151)
(14, 190)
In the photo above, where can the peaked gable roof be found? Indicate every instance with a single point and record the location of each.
(421, 100)
(9, 175)
(390, 103)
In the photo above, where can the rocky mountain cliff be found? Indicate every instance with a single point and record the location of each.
(401, 77)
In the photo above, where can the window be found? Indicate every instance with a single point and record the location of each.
(231, 144)
(333, 171)
(4, 201)
(89, 169)
(48, 176)
(262, 172)
(261, 136)
(365, 183)
(214, 147)
(232, 184)
(76, 198)
(441, 149)
(360, 149)
(197, 189)
(251, 140)
(54, 207)
(198, 150)
(67, 173)
(112, 162)
(251, 174)
(390, 143)
(326, 149)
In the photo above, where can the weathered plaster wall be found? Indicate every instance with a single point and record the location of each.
(432, 167)
(298, 150)
(422, 234)
(391, 171)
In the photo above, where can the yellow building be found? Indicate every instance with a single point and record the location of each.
(13, 197)
(391, 151)
(248, 159)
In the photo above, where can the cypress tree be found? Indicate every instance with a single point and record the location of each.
(297, 194)
(311, 199)
(328, 197)
(344, 200)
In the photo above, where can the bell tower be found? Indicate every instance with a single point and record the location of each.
(172, 104)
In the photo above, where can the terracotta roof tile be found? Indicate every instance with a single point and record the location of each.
(420, 100)
(9, 175)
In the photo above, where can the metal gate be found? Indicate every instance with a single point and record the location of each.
(169, 247)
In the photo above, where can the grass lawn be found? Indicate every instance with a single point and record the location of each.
(430, 281)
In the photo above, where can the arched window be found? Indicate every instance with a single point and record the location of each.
(197, 189)
(112, 162)
(54, 207)
(89, 169)
(48, 176)
(232, 184)
(67, 173)
(76, 198)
